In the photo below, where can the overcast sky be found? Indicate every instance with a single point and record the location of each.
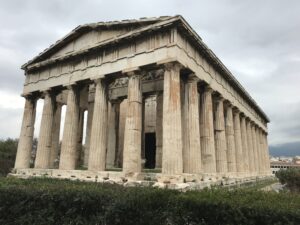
(259, 41)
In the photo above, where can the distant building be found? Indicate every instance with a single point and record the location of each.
(281, 165)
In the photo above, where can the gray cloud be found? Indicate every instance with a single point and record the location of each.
(257, 40)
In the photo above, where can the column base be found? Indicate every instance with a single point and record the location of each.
(181, 182)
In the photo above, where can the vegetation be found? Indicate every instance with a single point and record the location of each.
(50, 201)
(8, 149)
(290, 178)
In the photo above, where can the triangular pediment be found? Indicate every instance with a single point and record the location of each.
(88, 35)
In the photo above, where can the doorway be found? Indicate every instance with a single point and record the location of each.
(150, 150)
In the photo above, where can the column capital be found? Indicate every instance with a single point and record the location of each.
(208, 88)
(172, 65)
(219, 98)
(132, 71)
(227, 104)
(192, 78)
(30, 96)
(236, 110)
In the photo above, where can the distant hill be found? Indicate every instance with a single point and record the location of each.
(288, 149)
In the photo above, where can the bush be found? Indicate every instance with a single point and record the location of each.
(49, 201)
(290, 178)
(8, 149)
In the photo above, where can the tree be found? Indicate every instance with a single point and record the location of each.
(8, 149)
(290, 178)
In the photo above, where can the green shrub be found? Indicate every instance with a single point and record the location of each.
(8, 149)
(291, 178)
(50, 201)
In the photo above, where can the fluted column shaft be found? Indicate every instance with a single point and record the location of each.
(113, 131)
(192, 149)
(133, 125)
(220, 137)
(68, 154)
(258, 150)
(230, 142)
(207, 132)
(261, 152)
(42, 160)
(159, 130)
(238, 141)
(250, 148)
(88, 133)
(98, 142)
(26, 135)
(244, 145)
(172, 124)
(255, 149)
(55, 135)
(267, 163)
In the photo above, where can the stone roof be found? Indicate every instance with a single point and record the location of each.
(145, 25)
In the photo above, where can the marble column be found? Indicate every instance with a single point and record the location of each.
(192, 148)
(230, 142)
(88, 133)
(159, 129)
(220, 137)
(98, 142)
(26, 136)
(244, 145)
(69, 141)
(55, 135)
(122, 121)
(250, 147)
(238, 141)
(261, 153)
(255, 158)
(267, 163)
(113, 133)
(207, 131)
(258, 149)
(133, 125)
(172, 121)
(42, 160)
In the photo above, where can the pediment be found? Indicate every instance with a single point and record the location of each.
(88, 39)
(88, 35)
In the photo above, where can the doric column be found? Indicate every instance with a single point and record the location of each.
(267, 163)
(159, 129)
(258, 149)
(26, 136)
(113, 133)
(244, 144)
(192, 148)
(207, 131)
(133, 125)
(88, 133)
(220, 137)
(69, 141)
(98, 142)
(55, 135)
(238, 141)
(250, 147)
(261, 152)
(42, 160)
(172, 127)
(229, 130)
(255, 158)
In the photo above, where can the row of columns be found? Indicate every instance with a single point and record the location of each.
(199, 133)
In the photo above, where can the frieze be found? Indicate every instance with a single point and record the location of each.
(153, 75)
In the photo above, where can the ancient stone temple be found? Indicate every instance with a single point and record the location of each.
(160, 107)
